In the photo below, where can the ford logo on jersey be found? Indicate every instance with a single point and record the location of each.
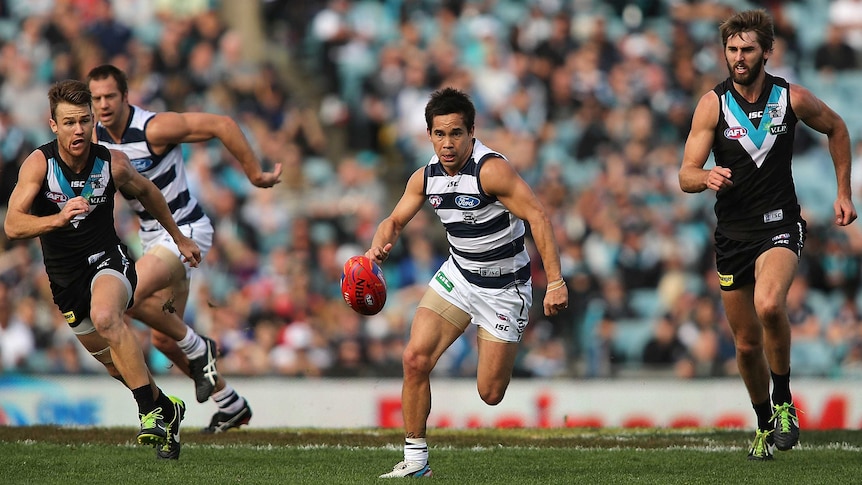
(466, 201)
(142, 164)
(735, 132)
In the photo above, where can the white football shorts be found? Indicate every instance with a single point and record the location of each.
(200, 231)
(502, 312)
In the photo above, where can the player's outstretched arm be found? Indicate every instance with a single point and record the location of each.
(390, 228)
(133, 184)
(170, 128)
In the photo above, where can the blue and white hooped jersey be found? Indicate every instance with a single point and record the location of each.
(486, 241)
(755, 141)
(167, 171)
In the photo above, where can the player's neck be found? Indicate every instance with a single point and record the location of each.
(75, 163)
(751, 92)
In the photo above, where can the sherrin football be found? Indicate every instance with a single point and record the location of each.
(363, 286)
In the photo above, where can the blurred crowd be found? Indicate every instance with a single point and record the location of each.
(590, 100)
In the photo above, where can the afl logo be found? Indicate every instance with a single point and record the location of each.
(466, 201)
(735, 132)
(56, 197)
(435, 201)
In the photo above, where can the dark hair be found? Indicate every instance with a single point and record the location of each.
(448, 101)
(757, 21)
(69, 91)
(107, 70)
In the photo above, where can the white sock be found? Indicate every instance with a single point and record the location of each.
(192, 344)
(415, 449)
(227, 400)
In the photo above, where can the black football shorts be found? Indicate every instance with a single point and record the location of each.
(74, 300)
(734, 259)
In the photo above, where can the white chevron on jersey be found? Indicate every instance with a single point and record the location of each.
(758, 141)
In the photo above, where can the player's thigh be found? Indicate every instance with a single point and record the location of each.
(430, 335)
(157, 269)
(494, 372)
(111, 292)
(496, 360)
(774, 271)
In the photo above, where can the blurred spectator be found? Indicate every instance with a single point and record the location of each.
(664, 350)
(847, 16)
(17, 341)
(331, 30)
(804, 322)
(110, 34)
(834, 54)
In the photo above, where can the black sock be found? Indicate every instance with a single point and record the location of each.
(764, 413)
(781, 388)
(144, 397)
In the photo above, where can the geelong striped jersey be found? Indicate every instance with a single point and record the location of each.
(67, 251)
(167, 171)
(755, 141)
(486, 241)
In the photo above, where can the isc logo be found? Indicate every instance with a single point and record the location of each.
(735, 132)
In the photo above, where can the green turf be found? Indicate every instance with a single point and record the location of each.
(50, 455)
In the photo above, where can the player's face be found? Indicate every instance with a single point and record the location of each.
(74, 129)
(452, 141)
(745, 58)
(108, 102)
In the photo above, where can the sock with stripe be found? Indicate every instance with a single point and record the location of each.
(192, 344)
(416, 449)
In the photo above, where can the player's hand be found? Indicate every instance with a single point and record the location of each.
(379, 254)
(845, 211)
(718, 178)
(190, 251)
(266, 180)
(75, 207)
(556, 300)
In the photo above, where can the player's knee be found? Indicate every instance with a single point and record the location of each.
(492, 394)
(769, 310)
(416, 363)
(105, 321)
(749, 348)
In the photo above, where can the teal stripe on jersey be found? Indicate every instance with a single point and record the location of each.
(756, 136)
(62, 182)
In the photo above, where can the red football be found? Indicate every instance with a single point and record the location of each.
(363, 286)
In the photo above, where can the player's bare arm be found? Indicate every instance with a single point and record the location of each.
(20, 223)
(390, 228)
(500, 179)
(170, 128)
(692, 176)
(816, 114)
(133, 184)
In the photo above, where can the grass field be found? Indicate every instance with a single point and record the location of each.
(50, 455)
